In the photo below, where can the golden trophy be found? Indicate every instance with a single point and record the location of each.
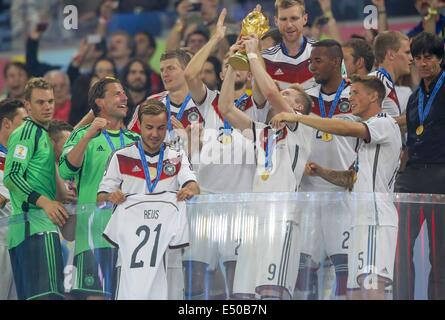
(255, 23)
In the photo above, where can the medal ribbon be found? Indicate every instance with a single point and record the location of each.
(334, 103)
(151, 186)
(238, 103)
(423, 113)
(110, 143)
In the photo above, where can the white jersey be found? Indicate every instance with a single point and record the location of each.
(7, 210)
(191, 113)
(220, 163)
(378, 163)
(287, 70)
(391, 103)
(125, 171)
(337, 154)
(143, 227)
(403, 94)
(288, 154)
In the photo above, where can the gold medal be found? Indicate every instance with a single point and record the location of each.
(226, 139)
(420, 130)
(326, 137)
(265, 175)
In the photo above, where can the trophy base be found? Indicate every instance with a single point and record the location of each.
(239, 61)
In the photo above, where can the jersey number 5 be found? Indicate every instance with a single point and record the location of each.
(146, 230)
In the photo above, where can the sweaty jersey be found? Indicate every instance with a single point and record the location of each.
(337, 154)
(391, 104)
(287, 70)
(378, 161)
(220, 162)
(191, 112)
(143, 227)
(288, 152)
(125, 171)
(29, 173)
(88, 178)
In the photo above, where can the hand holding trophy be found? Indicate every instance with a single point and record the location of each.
(255, 23)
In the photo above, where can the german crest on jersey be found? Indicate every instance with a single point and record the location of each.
(344, 106)
(169, 169)
(193, 116)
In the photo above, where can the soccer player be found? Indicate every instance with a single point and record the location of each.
(328, 233)
(393, 55)
(12, 115)
(288, 62)
(358, 57)
(180, 106)
(374, 224)
(84, 158)
(225, 153)
(281, 158)
(30, 176)
(149, 167)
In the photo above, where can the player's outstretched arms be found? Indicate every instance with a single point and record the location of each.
(236, 117)
(345, 179)
(334, 126)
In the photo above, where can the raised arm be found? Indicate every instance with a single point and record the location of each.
(264, 81)
(381, 9)
(236, 117)
(333, 126)
(191, 73)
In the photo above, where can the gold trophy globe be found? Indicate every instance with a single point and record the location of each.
(255, 23)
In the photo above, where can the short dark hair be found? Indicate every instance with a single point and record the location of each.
(181, 55)
(217, 67)
(273, 33)
(427, 43)
(57, 126)
(333, 47)
(36, 83)
(200, 32)
(93, 69)
(97, 91)
(150, 38)
(8, 109)
(371, 82)
(16, 64)
(151, 107)
(361, 49)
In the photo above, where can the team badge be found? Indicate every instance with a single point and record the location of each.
(193, 117)
(344, 106)
(20, 152)
(169, 169)
(89, 280)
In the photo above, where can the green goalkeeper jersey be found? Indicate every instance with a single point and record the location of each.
(91, 221)
(29, 173)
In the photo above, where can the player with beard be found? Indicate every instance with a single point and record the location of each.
(136, 80)
(84, 158)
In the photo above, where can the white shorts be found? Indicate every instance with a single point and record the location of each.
(215, 234)
(372, 252)
(270, 259)
(325, 227)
